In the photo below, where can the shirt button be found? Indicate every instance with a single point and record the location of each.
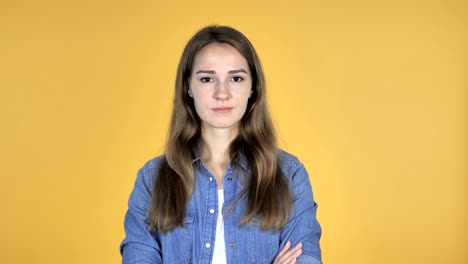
(207, 245)
(211, 178)
(211, 211)
(232, 244)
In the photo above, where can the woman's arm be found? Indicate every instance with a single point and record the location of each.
(288, 255)
(139, 245)
(303, 226)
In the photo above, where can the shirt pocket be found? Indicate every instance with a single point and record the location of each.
(176, 246)
(264, 244)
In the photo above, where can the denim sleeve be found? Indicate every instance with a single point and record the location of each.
(139, 245)
(303, 225)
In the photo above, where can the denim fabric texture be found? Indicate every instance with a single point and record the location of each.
(194, 242)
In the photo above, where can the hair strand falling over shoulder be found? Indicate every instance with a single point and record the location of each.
(267, 191)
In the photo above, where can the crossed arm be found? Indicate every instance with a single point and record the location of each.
(303, 231)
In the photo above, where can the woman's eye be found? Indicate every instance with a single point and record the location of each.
(237, 78)
(206, 79)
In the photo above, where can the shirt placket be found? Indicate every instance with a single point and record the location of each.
(230, 232)
(210, 216)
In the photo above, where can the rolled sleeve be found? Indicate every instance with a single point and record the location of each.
(140, 246)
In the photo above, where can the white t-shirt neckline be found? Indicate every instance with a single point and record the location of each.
(219, 253)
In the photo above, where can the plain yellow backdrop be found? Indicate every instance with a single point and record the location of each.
(370, 95)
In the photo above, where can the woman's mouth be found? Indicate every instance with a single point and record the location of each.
(222, 109)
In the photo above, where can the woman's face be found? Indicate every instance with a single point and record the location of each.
(220, 86)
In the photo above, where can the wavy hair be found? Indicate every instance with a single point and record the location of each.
(267, 191)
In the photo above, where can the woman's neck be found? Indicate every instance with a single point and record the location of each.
(215, 150)
(216, 144)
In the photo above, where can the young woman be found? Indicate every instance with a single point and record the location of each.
(222, 192)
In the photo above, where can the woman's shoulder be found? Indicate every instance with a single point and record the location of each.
(287, 159)
(152, 164)
(289, 163)
(147, 173)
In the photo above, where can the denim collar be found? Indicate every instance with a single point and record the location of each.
(242, 161)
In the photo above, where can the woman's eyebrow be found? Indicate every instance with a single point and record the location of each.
(237, 71)
(205, 71)
(213, 72)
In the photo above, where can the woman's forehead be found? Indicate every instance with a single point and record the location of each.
(219, 55)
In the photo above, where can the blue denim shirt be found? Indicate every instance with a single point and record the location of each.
(194, 242)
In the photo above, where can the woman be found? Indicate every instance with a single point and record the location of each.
(223, 192)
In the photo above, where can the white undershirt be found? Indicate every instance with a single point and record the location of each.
(219, 254)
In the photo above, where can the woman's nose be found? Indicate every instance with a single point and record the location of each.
(222, 91)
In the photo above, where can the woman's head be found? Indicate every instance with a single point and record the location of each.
(220, 87)
(236, 66)
(209, 38)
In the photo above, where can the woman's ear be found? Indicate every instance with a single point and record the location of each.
(189, 92)
(251, 92)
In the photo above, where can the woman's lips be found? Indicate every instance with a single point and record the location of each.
(222, 109)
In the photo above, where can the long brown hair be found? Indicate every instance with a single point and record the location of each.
(267, 190)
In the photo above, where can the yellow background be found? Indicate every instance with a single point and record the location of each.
(370, 95)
